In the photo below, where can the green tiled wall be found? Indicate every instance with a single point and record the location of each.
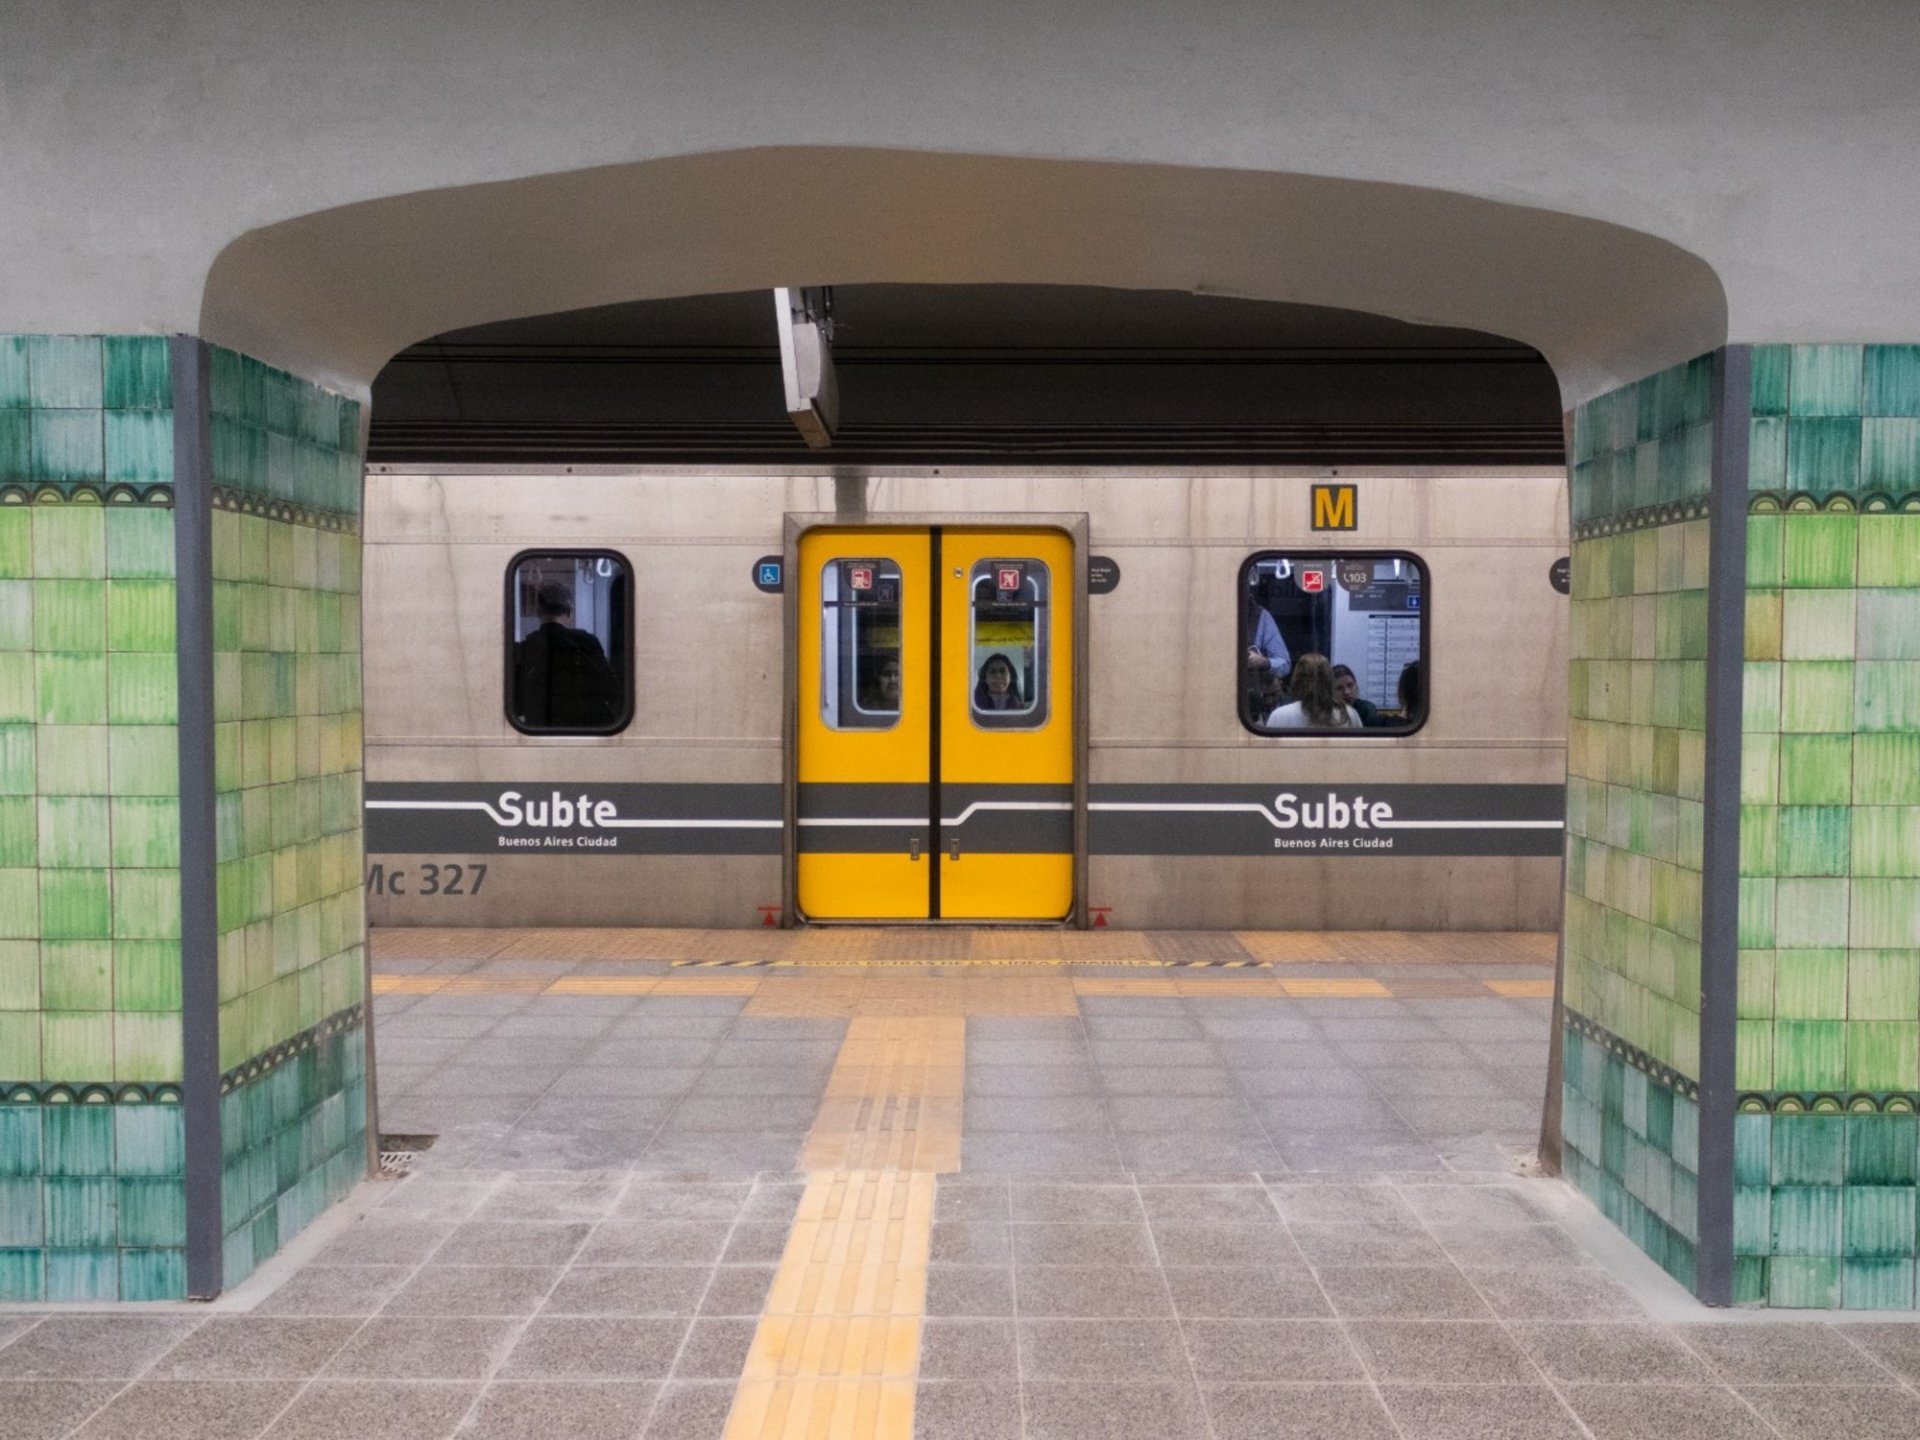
(1828, 1060)
(91, 1136)
(90, 1038)
(1632, 1145)
(286, 602)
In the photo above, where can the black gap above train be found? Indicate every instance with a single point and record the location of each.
(1054, 375)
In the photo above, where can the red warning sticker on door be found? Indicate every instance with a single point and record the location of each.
(860, 577)
(1313, 581)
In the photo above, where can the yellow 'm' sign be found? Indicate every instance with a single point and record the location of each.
(1334, 507)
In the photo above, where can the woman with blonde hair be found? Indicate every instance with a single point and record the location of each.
(1316, 704)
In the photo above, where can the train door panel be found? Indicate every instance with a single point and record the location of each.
(1006, 733)
(865, 800)
(936, 744)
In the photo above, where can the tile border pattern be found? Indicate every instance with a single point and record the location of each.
(263, 1064)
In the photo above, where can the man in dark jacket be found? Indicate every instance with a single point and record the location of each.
(561, 676)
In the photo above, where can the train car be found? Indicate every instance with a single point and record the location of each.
(719, 697)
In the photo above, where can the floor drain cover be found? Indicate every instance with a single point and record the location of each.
(397, 1151)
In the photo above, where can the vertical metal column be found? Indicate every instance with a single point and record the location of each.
(190, 368)
(1720, 856)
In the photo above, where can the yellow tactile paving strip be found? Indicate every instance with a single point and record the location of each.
(837, 1350)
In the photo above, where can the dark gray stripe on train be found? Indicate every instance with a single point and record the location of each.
(831, 816)
(543, 818)
(1007, 819)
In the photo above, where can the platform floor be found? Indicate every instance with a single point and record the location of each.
(959, 1186)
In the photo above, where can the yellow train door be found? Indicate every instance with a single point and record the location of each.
(936, 744)
(1006, 743)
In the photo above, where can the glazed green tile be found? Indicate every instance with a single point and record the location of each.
(1815, 840)
(139, 447)
(1883, 984)
(1827, 380)
(1886, 841)
(16, 392)
(146, 831)
(1879, 1221)
(1889, 550)
(149, 1141)
(1765, 545)
(1809, 1149)
(146, 905)
(1811, 913)
(139, 542)
(145, 759)
(136, 373)
(146, 1046)
(65, 371)
(1888, 625)
(16, 542)
(1820, 696)
(1819, 550)
(1885, 914)
(19, 904)
(1881, 1149)
(1877, 1284)
(71, 688)
(16, 617)
(1817, 624)
(1890, 457)
(76, 1047)
(1887, 696)
(69, 542)
(80, 1212)
(1883, 1054)
(1754, 985)
(1763, 635)
(1886, 769)
(1810, 984)
(16, 446)
(79, 1275)
(157, 1274)
(68, 447)
(1809, 1055)
(142, 688)
(1771, 371)
(76, 974)
(153, 1212)
(20, 1142)
(75, 904)
(140, 615)
(23, 1209)
(146, 974)
(1759, 697)
(1757, 906)
(1806, 1223)
(74, 831)
(1815, 769)
(19, 837)
(1892, 380)
(69, 615)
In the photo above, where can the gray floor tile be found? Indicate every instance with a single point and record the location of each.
(1079, 1292)
(1038, 1081)
(1209, 1204)
(1611, 1352)
(611, 1081)
(969, 1290)
(511, 1242)
(775, 1054)
(1066, 1244)
(1479, 1412)
(1354, 1114)
(1401, 1292)
(1276, 1080)
(1170, 1026)
(738, 1290)
(336, 1290)
(966, 1410)
(1297, 1412)
(1543, 1293)
(1152, 1054)
(655, 1242)
(474, 1290)
(388, 1410)
(1441, 1352)
(960, 1199)
(1817, 1412)
(988, 1054)
(47, 1409)
(621, 1113)
(1044, 1202)
(758, 1080)
(1035, 1113)
(1235, 1292)
(379, 1240)
(774, 1200)
(422, 1349)
(595, 1348)
(1278, 1350)
(728, 1113)
(576, 1200)
(533, 1410)
(1897, 1346)
(649, 1052)
(243, 1347)
(1351, 1155)
(1168, 1154)
(755, 1242)
(970, 1242)
(658, 1290)
(1666, 1412)
(1198, 1080)
(425, 1195)
(690, 1200)
(1510, 1246)
(1784, 1354)
(968, 1350)
(691, 1410)
(716, 1349)
(1243, 1243)
(1102, 1410)
(201, 1409)
(732, 1152)
(91, 1347)
(1111, 1350)
(1378, 1205)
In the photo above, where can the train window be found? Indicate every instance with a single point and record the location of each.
(569, 643)
(1333, 643)
(1008, 638)
(860, 669)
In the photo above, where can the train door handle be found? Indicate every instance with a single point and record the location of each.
(913, 849)
(953, 848)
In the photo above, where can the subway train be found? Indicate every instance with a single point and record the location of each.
(1293, 698)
